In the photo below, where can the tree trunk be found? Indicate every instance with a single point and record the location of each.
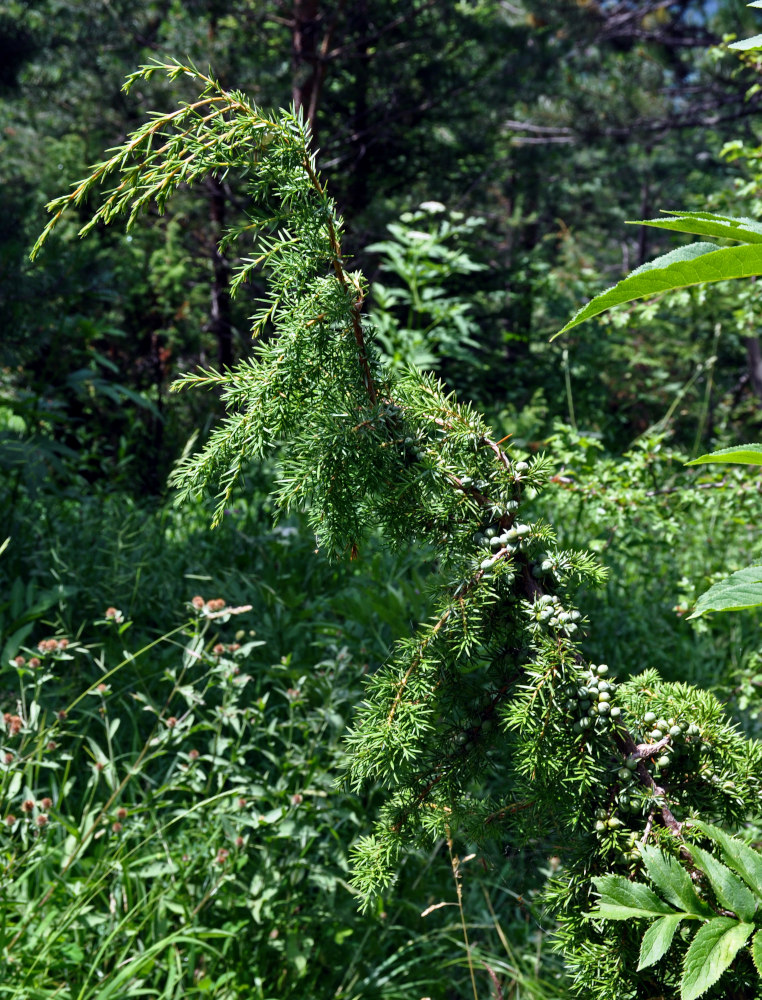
(754, 358)
(220, 311)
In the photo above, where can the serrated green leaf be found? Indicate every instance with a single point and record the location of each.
(690, 265)
(744, 454)
(725, 227)
(625, 900)
(712, 950)
(736, 592)
(747, 44)
(657, 939)
(673, 881)
(744, 859)
(729, 889)
(756, 951)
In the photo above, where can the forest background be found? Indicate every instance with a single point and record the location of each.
(172, 822)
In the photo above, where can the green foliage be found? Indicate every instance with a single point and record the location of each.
(261, 722)
(488, 721)
(690, 265)
(717, 942)
(417, 323)
(737, 592)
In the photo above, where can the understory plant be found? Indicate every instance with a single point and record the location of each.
(488, 724)
(169, 825)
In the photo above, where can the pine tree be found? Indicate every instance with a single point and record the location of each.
(487, 723)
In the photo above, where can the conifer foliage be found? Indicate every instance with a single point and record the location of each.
(487, 722)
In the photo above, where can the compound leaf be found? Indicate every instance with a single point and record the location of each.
(756, 951)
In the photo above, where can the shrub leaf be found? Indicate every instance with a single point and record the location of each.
(756, 951)
(740, 590)
(689, 265)
(673, 880)
(745, 454)
(657, 939)
(625, 900)
(729, 889)
(742, 858)
(712, 950)
(708, 224)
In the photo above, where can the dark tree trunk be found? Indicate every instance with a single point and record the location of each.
(304, 55)
(754, 358)
(358, 192)
(645, 202)
(311, 39)
(220, 311)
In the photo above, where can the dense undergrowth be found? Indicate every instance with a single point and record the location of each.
(171, 818)
(171, 814)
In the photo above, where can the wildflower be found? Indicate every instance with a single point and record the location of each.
(19, 661)
(198, 602)
(8, 758)
(46, 803)
(114, 615)
(61, 714)
(42, 820)
(432, 207)
(234, 647)
(99, 765)
(193, 754)
(116, 828)
(222, 855)
(63, 643)
(296, 799)
(293, 693)
(171, 722)
(239, 842)
(34, 662)
(52, 745)
(13, 723)
(219, 649)
(241, 802)
(103, 688)
(10, 819)
(28, 805)
(121, 813)
(216, 605)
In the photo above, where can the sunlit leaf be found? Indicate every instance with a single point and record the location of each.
(729, 889)
(657, 939)
(690, 265)
(744, 859)
(744, 454)
(625, 900)
(673, 881)
(736, 592)
(712, 950)
(708, 224)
